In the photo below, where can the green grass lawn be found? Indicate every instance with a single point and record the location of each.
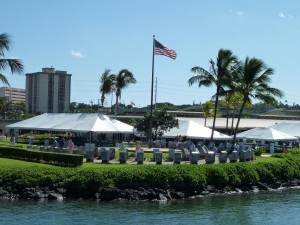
(12, 163)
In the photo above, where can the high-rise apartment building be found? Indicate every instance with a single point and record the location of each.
(13, 94)
(48, 91)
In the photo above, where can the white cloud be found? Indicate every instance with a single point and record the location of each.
(77, 54)
(240, 13)
(291, 17)
(281, 15)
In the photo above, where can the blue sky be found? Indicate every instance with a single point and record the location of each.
(86, 37)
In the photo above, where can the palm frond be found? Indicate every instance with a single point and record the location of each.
(4, 79)
(4, 43)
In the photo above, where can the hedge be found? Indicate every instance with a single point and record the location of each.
(184, 177)
(59, 159)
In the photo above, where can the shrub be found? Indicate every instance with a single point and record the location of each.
(258, 151)
(44, 157)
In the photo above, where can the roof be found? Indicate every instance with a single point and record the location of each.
(288, 128)
(191, 129)
(245, 123)
(74, 122)
(265, 133)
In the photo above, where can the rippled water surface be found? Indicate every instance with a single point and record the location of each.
(280, 207)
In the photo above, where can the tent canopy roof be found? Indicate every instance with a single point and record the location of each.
(191, 129)
(73, 122)
(266, 134)
(288, 128)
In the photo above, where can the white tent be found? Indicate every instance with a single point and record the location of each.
(265, 134)
(191, 129)
(292, 129)
(73, 122)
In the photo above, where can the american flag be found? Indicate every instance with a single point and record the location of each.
(159, 49)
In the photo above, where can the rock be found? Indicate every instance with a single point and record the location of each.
(161, 197)
(32, 193)
(177, 195)
(109, 193)
(238, 190)
(263, 186)
(55, 196)
(4, 193)
(61, 190)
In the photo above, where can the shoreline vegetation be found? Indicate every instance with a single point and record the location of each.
(27, 180)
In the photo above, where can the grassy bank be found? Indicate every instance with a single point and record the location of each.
(189, 178)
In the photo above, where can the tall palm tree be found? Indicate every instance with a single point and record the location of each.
(122, 81)
(106, 81)
(218, 75)
(252, 80)
(15, 65)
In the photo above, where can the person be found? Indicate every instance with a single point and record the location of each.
(70, 146)
(137, 148)
(192, 146)
(54, 142)
(284, 148)
(13, 139)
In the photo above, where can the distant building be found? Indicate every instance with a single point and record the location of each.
(13, 94)
(48, 91)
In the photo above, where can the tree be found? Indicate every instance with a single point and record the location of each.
(161, 122)
(15, 65)
(208, 110)
(106, 82)
(220, 75)
(5, 107)
(20, 109)
(231, 101)
(252, 80)
(122, 81)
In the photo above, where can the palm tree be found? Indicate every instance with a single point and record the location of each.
(252, 82)
(122, 81)
(15, 65)
(208, 110)
(219, 75)
(231, 101)
(106, 82)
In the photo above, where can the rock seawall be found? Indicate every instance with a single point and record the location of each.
(139, 194)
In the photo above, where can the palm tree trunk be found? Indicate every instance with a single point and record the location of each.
(238, 121)
(102, 102)
(116, 106)
(232, 121)
(205, 121)
(215, 114)
(227, 119)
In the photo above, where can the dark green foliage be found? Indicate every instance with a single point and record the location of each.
(161, 122)
(216, 175)
(258, 151)
(83, 182)
(44, 157)
(248, 173)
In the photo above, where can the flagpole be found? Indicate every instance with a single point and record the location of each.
(151, 106)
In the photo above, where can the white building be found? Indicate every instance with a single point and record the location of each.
(48, 91)
(13, 94)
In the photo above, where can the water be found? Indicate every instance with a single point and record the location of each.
(280, 207)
